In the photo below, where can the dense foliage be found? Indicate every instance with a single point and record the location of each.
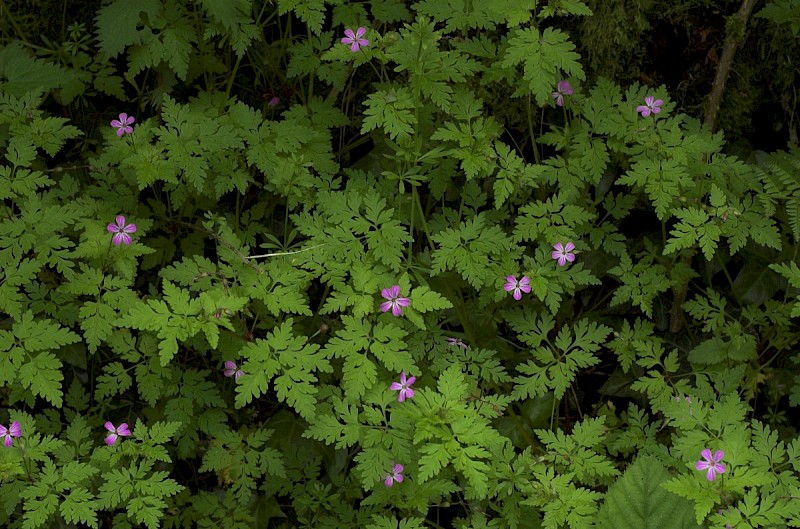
(327, 264)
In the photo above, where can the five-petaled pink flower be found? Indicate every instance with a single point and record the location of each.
(121, 231)
(116, 432)
(394, 475)
(395, 303)
(562, 89)
(232, 371)
(712, 464)
(458, 343)
(355, 40)
(404, 387)
(123, 124)
(12, 431)
(563, 253)
(651, 106)
(517, 287)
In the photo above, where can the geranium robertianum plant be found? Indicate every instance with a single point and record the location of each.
(588, 289)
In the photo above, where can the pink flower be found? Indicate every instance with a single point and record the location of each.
(116, 432)
(404, 387)
(275, 101)
(458, 343)
(712, 464)
(232, 371)
(518, 287)
(123, 124)
(13, 431)
(563, 253)
(562, 89)
(121, 231)
(650, 106)
(394, 475)
(396, 303)
(356, 39)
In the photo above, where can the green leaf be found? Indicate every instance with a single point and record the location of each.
(117, 24)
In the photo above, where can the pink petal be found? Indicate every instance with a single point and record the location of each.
(396, 386)
(517, 294)
(354, 47)
(116, 123)
(402, 396)
(123, 429)
(409, 393)
(3, 430)
(386, 306)
(658, 103)
(558, 247)
(403, 302)
(701, 465)
(130, 228)
(718, 455)
(656, 110)
(562, 260)
(396, 310)
(111, 439)
(569, 257)
(120, 132)
(398, 478)
(15, 429)
(394, 291)
(109, 426)
(389, 481)
(706, 454)
(398, 468)
(711, 474)
(123, 118)
(569, 247)
(120, 220)
(129, 121)
(7, 441)
(524, 283)
(648, 101)
(350, 34)
(238, 374)
(410, 380)
(360, 32)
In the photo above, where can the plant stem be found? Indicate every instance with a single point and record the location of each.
(733, 37)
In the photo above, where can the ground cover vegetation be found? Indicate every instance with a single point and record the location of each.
(385, 264)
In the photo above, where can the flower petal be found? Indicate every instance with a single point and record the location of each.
(123, 429)
(360, 32)
(111, 439)
(706, 454)
(386, 306)
(398, 468)
(517, 294)
(711, 474)
(409, 393)
(8, 441)
(389, 480)
(718, 455)
(15, 430)
(109, 426)
(569, 247)
(396, 386)
(403, 302)
(130, 228)
(396, 309)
